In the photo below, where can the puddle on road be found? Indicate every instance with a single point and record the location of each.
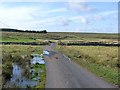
(46, 52)
(26, 76)
(37, 59)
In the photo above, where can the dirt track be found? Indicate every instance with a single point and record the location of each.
(63, 73)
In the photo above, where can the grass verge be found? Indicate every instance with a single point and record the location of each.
(103, 61)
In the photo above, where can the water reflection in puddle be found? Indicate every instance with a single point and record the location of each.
(46, 52)
(18, 78)
(37, 59)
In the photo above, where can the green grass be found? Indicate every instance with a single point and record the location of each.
(38, 37)
(10, 52)
(43, 77)
(100, 60)
(37, 67)
(21, 49)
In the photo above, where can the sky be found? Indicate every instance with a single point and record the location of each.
(96, 17)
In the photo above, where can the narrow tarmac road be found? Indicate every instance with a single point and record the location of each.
(63, 73)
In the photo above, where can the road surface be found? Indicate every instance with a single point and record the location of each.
(63, 73)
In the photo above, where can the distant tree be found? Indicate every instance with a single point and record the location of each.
(43, 31)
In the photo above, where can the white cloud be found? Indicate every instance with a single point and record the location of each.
(45, 13)
(57, 10)
(91, 18)
(63, 21)
(79, 6)
(36, 17)
(46, 21)
(27, 17)
(16, 14)
(80, 19)
(15, 17)
(108, 12)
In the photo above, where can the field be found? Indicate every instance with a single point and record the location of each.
(55, 36)
(20, 54)
(103, 61)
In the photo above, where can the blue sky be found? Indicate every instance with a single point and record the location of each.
(100, 17)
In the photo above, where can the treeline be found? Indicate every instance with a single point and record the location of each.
(16, 30)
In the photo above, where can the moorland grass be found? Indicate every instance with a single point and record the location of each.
(14, 52)
(21, 49)
(103, 61)
(37, 37)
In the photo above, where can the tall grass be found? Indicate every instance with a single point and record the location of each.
(103, 61)
(20, 54)
(21, 49)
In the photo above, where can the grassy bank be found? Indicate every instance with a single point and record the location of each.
(103, 61)
(20, 54)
